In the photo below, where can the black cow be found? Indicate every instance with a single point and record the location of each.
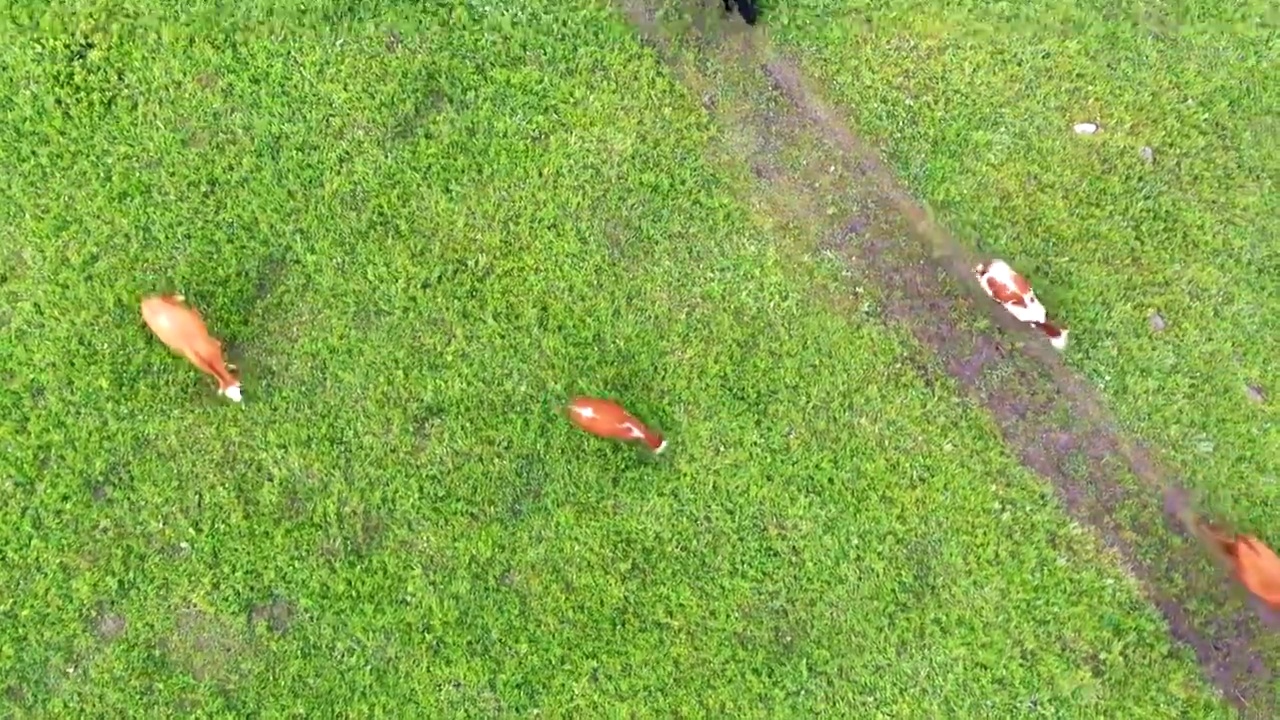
(746, 8)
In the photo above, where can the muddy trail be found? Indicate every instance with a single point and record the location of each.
(804, 167)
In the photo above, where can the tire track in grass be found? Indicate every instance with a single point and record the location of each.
(808, 170)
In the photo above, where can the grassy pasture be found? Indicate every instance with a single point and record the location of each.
(419, 230)
(974, 104)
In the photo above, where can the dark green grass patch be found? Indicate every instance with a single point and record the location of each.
(419, 232)
(1169, 210)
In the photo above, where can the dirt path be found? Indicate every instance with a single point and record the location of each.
(809, 171)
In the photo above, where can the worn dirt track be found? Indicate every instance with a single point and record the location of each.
(811, 172)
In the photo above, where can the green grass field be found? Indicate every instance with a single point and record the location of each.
(419, 231)
(975, 106)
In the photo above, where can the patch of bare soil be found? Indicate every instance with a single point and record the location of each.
(278, 615)
(17, 695)
(808, 171)
(109, 625)
(207, 646)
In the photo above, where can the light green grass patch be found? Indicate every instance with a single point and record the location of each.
(418, 245)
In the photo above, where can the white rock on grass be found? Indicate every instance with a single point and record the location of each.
(1085, 128)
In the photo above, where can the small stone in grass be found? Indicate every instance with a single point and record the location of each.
(1147, 154)
(1085, 128)
(1157, 322)
(1255, 393)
